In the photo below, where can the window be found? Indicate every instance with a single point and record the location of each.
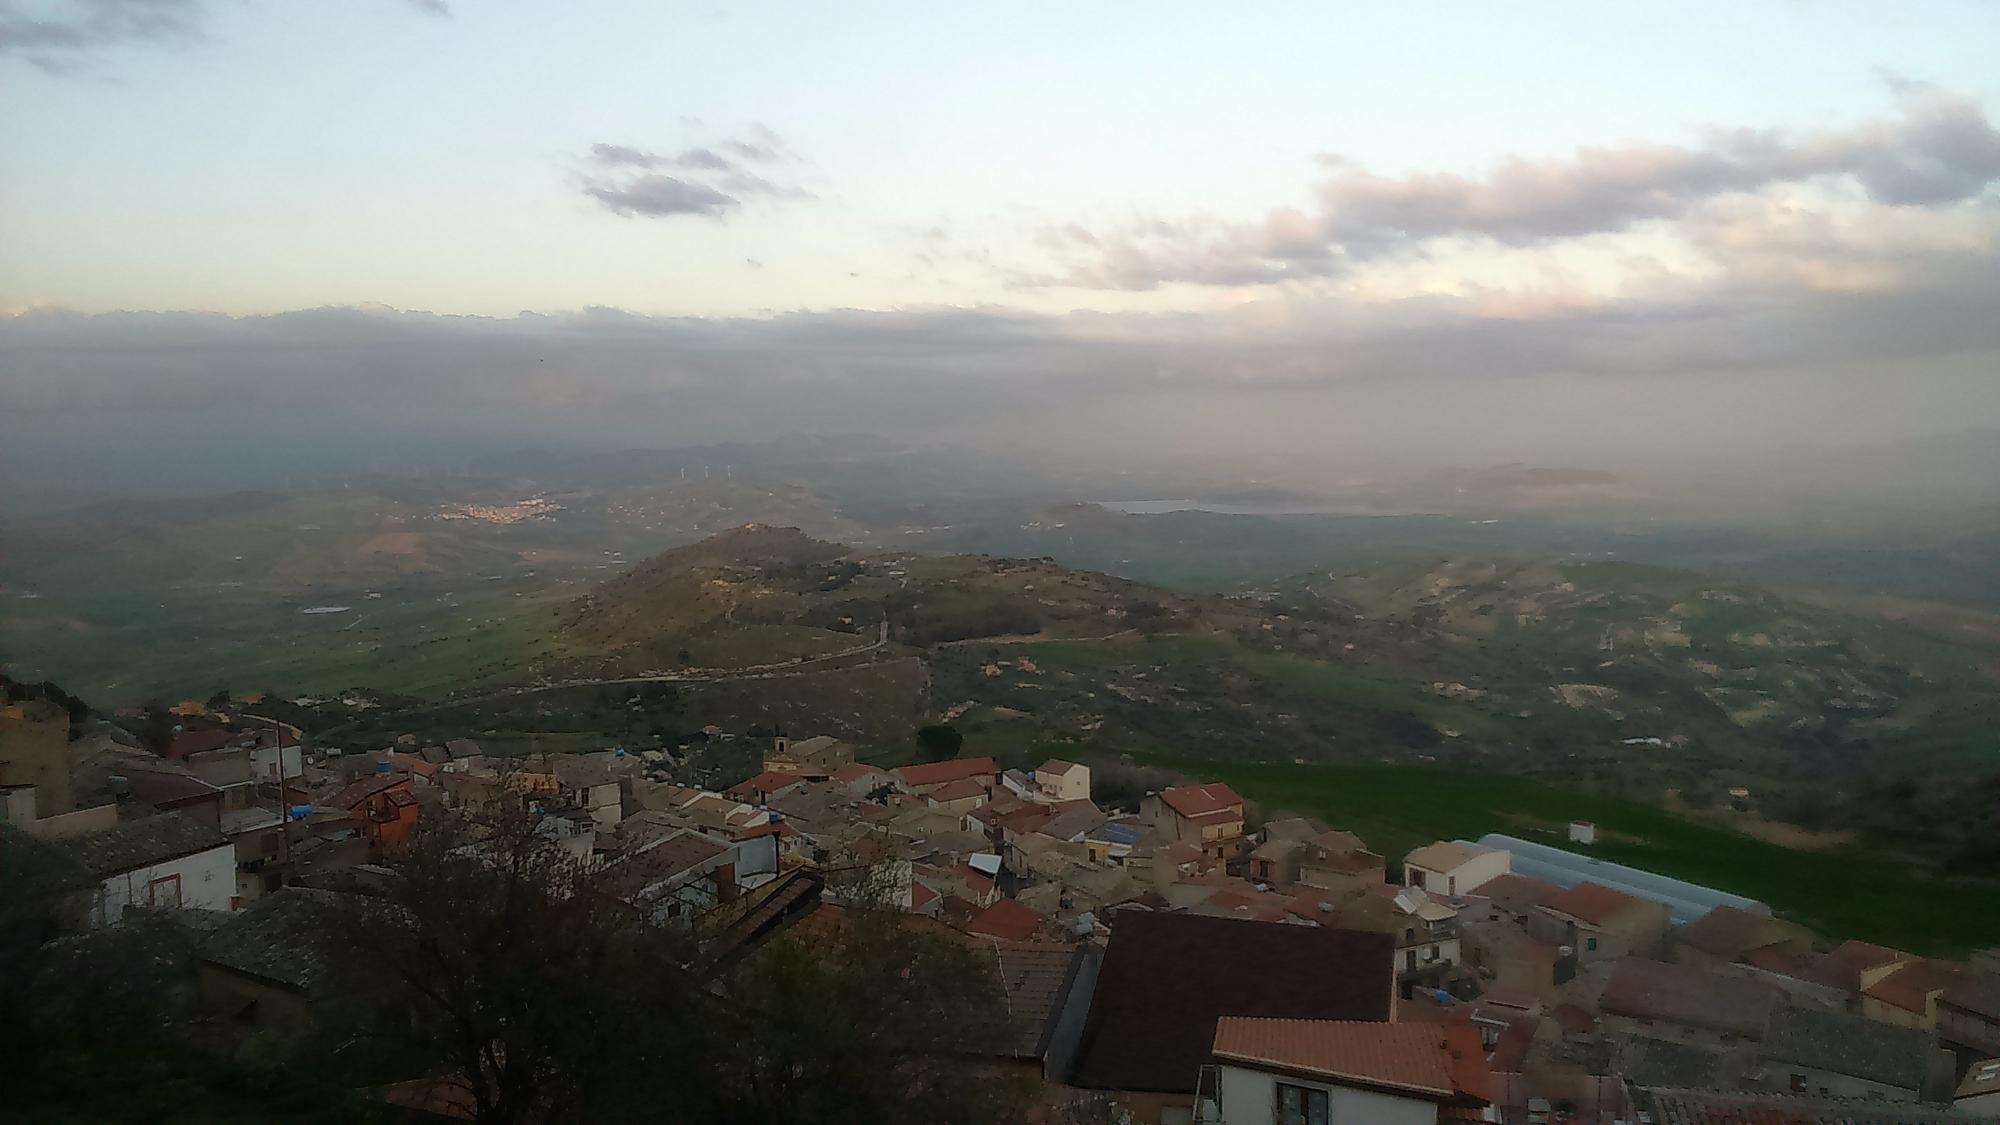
(1302, 1105)
(1590, 944)
(164, 892)
(1451, 886)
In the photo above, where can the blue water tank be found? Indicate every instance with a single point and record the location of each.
(300, 812)
(1442, 997)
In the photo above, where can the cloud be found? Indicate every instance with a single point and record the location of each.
(432, 8)
(59, 38)
(710, 179)
(1939, 149)
(654, 195)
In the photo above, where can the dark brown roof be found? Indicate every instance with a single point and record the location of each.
(1517, 894)
(1168, 977)
(665, 860)
(1202, 800)
(365, 788)
(1037, 978)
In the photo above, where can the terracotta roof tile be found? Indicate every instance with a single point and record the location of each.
(1437, 1062)
(1593, 903)
(1202, 800)
(937, 773)
(1007, 920)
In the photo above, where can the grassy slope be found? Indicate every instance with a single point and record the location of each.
(1839, 893)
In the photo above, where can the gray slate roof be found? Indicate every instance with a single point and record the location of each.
(1645, 1061)
(280, 938)
(1850, 1045)
(1718, 1107)
(132, 844)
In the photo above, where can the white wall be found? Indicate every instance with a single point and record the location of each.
(208, 882)
(1250, 1097)
(264, 763)
(1464, 879)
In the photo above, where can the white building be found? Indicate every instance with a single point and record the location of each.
(1276, 1071)
(1453, 868)
(1058, 780)
(266, 760)
(169, 862)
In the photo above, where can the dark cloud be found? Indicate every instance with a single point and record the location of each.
(1940, 149)
(63, 38)
(708, 181)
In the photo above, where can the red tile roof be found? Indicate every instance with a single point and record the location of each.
(1676, 994)
(921, 896)
(367, 787)
(1517, 894)
(197, 742)
(1909, 987)
(766, 783)
(1056, 766)
(1443, 1063)
(958, 790)
(1591, 902)
(1007, 920)
(1202, 800)
(937, 773)
(1842, 966)
(855, 771)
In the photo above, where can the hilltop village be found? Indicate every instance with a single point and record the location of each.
(1185, 958)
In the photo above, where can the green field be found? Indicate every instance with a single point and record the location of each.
(1839, 894)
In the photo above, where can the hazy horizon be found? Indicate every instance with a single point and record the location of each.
(1469, 239)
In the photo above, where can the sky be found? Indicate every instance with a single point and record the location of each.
(1578, 233)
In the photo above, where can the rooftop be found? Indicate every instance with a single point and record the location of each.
(279, 938)
(1720, 1107)
(1440, 1062)
(1982, 1077)
(1036, 978)
(1445, 855)
(1676, 994)
(1591, 903)
(1909, 987)
(132, 844)
(1842, 966)
(959, 790)
(937, 773)
(1851, 1045)
(1055, 767)
(1729, 933)
(1167, 977)
(1007, 920)
(1202, 800)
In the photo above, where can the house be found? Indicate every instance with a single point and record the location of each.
(1113, 842)
(675, 878)
(761, 788)
(1283, 1071)
(269, 965)
(1513, 897)
(921, 779)
(1006, 920)
(1727, 935)
(1968, 1018)
(1980, 1090)
(961, 796)
(1338, 861)
(1508, 957)
(34, 751)
(168, 861)
(820, 756)
(862, 780)
(1166, 978)
(1843, 1056)
(1424, 930)
(1853, 966)
(1600, 923)
(383, 809)
(1674, 1002)
(1907, 994)
(1453, 868)
(588, 783)
(1057, 780)
(1047, 989)
(1208, 816)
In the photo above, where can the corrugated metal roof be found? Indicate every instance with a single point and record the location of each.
(1684, 901)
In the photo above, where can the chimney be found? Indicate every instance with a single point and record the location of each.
(120, 787)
